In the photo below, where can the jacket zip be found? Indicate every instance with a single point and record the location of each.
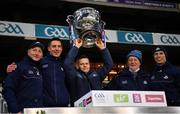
(85, 76)
(55, 88)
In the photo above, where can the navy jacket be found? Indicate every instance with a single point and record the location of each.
(54, 87)
(167, 78)
(23, 87)
(126, 81)
(81, 83)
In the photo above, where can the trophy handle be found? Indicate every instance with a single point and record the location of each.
(103, 35)
(70, 19)
(103, 23)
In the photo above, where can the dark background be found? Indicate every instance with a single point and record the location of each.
(54, 12)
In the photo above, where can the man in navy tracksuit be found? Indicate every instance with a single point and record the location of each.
(23, 87)
(55, 90)
(166, 77)
(54, 86)
(81, 79)
(132, 77)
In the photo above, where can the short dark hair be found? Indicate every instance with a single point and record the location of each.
(54, 39)
(81, 56)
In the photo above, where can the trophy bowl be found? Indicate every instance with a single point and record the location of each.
(87, 24)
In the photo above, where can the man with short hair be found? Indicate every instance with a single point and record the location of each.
(23, 87)
(166, 77)
(81, 79)
(55, 91)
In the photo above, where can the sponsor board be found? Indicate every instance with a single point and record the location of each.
(137, 98)
(150, 3)
(50, 31)
(16, 29)
(154, 98)
(31, 31)
(135, 37)
(123, 98)
(160, 4)
(166, 39)
(111, 36)
(85, 102)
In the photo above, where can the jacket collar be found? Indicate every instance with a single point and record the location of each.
(165, 65)
(53, 58)
(30, 61)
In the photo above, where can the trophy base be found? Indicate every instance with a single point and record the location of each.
(89, 37)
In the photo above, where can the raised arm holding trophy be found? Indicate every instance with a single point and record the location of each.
(81, 79)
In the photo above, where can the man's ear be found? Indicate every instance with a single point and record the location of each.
(48, 48)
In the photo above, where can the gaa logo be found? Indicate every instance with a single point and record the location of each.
(134, 37)
(55, 32)
(10, 28)
(100, 97)
(169, 39)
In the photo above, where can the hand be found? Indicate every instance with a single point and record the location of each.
(99, 43)
(78, 42)
(10, 68)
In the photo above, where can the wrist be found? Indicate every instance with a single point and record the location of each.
(102, 48)
(77, 46)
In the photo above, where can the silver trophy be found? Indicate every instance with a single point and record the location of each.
(86, 23)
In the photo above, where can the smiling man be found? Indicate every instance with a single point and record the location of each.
(81, 78)
(55, 93)
(132, 77)
(166, 77)
(23, 87)
(54, 87)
